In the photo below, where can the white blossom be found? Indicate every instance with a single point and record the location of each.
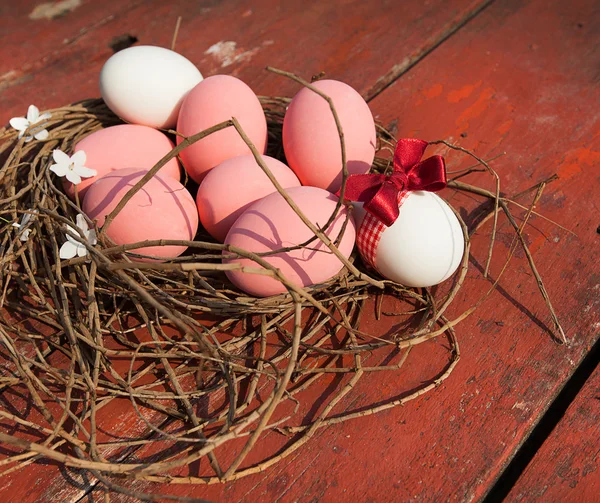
(24, 222)
(71, 247)
(33, 117)
(71, 167)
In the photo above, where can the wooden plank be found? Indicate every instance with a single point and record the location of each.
(503, 83)
(489, 357)
(349, 39)
(331, 33)
(35, 35)
(566, 468)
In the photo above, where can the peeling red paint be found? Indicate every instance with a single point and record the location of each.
(476, 109)
(462, 93)
(433, 92)
(576, 161)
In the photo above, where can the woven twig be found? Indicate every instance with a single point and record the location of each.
(207, 371)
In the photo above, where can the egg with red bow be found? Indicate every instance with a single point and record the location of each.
(423, 247)
(406, 232)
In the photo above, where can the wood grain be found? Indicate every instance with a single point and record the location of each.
(567, 466)
(36, 40)
(509, 84)
(351, 40)
(503, 83)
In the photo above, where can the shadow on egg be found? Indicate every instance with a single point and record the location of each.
(456, 239)
(424, 246)
(275, 244)
(101, 209)
(161, 209)
(355, 167)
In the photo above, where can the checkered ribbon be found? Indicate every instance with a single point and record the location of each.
(369, 235)
(383, 195)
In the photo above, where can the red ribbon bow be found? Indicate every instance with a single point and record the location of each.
(381, 193)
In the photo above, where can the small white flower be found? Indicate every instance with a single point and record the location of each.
(71, 167)
(72, 247)
(24, 221)
(33, 117)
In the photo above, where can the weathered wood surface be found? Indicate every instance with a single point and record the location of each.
(521, 78)
(567, 466)
(507, 84)
(54, 62)
(244, 37)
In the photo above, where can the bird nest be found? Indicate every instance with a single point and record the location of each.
(133, 369)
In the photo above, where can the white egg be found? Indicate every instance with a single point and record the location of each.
(424, 246)
(146, 84)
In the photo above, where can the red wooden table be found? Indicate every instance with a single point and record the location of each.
(565, 468)
(520, 77)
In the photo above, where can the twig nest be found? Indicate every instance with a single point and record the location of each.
(176, 338)
(161, 209)
(272, 224)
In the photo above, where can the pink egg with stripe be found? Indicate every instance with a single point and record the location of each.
(120, 147)
(311, 140)
(271, 224)
(230, 188)
(161, 209)
(215, 100)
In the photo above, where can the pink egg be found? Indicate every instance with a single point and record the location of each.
(214, 100)
(311, 140)
(271, 224)
(230, 188)
(161, 209)
(123, 146)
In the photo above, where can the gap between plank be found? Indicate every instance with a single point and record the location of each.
(544, 428)
(428, 46)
